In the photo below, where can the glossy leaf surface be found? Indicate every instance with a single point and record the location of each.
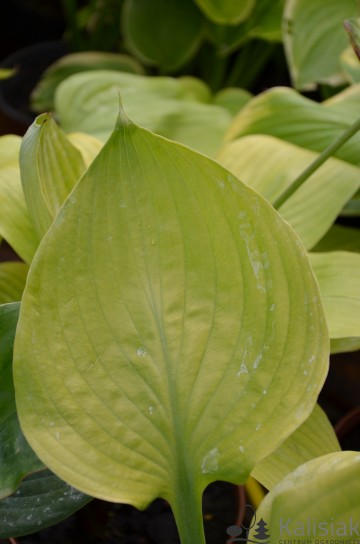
(178, 109)
(42, 500)
(17, 458)
(314, 438)
(319, 499)
(314, 38)
(170, 42)
(269, 165)
(338, 273)
(180, 299)
(15, 223)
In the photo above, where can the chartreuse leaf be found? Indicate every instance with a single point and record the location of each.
(269, 165)
(180, 299)
(12, 281)
(318, 501)
(338, 238)
(338, 273)
(172, 41)
(50, 166)
(15, 223)
(226, 11)
(314, 38)
(284, 113)
(42, 97)
(315, 437)
(178, 109)
(41, 500)
(17, 458)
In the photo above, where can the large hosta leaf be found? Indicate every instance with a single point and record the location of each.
(162, 43)
(318, 502)
(171, 107)
(41, 500)
(17, 458)
(338, 273)
(314, 39)
(179, 299)
(270, 165)
(15, 223)
(314, 438)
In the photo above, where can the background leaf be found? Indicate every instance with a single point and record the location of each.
(42, 97)
(148, 334)
(314, 38)
(50, 166)
(162, 44)
(15, 223)
(338, 273)
(12, 281)
(286, 114)
(17, 458)
(269, 165)
(179, 109)
(325, 490)
(226, 11)
(42, 500)
(339, 237)
(314, 438)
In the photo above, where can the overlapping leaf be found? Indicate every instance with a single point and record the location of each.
(180, 299)
(319, 500)
(314, 438)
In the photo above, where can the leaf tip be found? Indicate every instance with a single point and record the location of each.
(122, 120)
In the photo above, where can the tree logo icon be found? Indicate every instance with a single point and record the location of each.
(240, 533)
(261, 532)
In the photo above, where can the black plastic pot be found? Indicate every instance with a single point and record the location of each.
(30, 62)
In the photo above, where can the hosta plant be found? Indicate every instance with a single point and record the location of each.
(165, 296)
(179, 307)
